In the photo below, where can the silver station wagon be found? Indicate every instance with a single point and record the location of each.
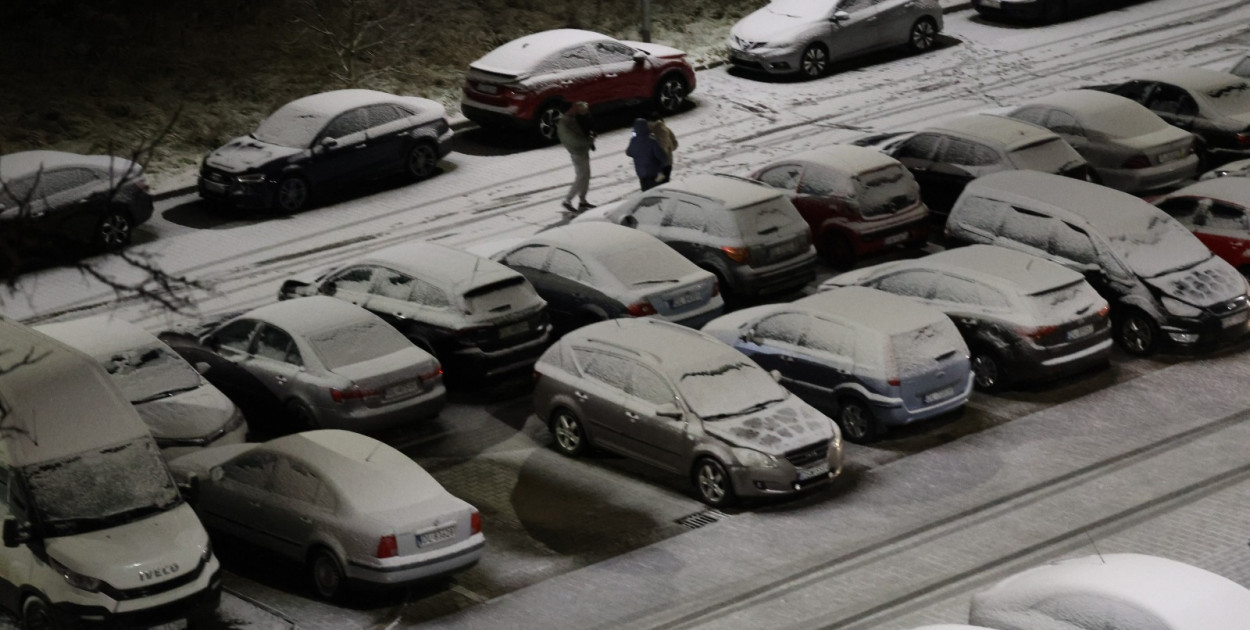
(682, 401)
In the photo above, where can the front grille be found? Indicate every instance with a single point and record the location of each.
(808, 455)
(153, 589)
(216, 176)
(1225, 308)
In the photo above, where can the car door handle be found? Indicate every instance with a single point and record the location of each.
(633, 417)
(305, 519)
(566, 83)
(787, 359)
(580, 396)
(281, 379)
(360, 146)
(612, 76)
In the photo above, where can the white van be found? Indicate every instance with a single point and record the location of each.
(94, 529)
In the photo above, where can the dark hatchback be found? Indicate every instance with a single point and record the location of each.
(325, 139)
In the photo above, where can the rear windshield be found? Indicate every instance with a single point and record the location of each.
(1049, 156)
(1232, 99)
(1126, 121)
(916, 352)
(1066, 303)
(656, 264)
(357, 342)
(152, 372)
(767, 220)
(885, 191)
(729, 390)
(508, 296)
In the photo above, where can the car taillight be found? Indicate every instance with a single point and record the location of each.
(641, 309)
(432, 374)
(1104, 311)
(895, 381)
(1035, 332)
(475, 522)
(1137, 161)
(736, 254)
(352, 393)
(387, 547)
(1243, 139)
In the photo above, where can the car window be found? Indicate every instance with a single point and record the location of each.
(966, 153)
(566, 264)
(1169, 99)
(63, 180)
(650, 211)
(428, 294)
(851, 6)
(980, 212)
(347, 123)
(1223, 216)
(250, 469)
(1065, 123)
(574, 58)
(235, 335)
(1136, 90)
(958, 291)
(608, 369)
(528, 257)
(614, 52)
(784, 177)
(688, 216)
(910, 283)
(1035, 115)
(785, 328)
(1179, 207)
(355, 279)
(382, 114)
(394, 285)
(832, 337)
(273, 343)
(294, 480)
(644, 383)
(820, 182)
(1027, 228)
(920, 146)
(1072, 243)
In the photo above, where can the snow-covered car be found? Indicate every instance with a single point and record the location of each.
(323, 363)
(948, 154)
(1166, 288)
(1218, 213)
(590, 272)
(1113, 591)
(747, 234)
(351, 509)
(1024, 319)
(1213, 105)
(680, 400)
(477, 317)
(52, 203)
(323, 140)
(528, 82)
(857, 201)
(805, 36)
(182, 410)
(870, 359)
(1236, 168)
(1128, 147)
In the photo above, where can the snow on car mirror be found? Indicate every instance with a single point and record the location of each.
(840, 16)
(16, 532)
(202, 367)
(640, 56)
(776, 374)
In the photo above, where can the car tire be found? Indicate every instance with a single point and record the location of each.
(548, 121)
(712, 483)
(988, 374)
(839, 252)
(814, 62)
(113, 231)
(302, 416)
(292, 194)
(1137, 333)
(326, 575)
(422, 160)
(923, 35)
(670, 94)
(569, 434)
(37, 614)
(856, 421)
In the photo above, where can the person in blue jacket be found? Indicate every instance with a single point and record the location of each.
(649, 157)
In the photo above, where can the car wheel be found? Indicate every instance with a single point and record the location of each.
(302, 416)
(1137, 333)
(815, 60)
(712, 482)
(569, 434)
(548, 122)
(856, 421)
(839, 251)
(422, 160)
(987, 370)
(670, 94)
(326, 575)
(923, 35)
(113, 232)
(293, 194)
(36, 614)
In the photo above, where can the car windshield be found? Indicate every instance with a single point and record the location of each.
(357, 341)
(151, 372)
(290, 127)
(100, 489)
(1065, 303)
(728, 390)
(1232, 99)
(1127, 121)
(1049, 156)
(634, 267)
(803, 8)
(1155, 244)
(885, 191)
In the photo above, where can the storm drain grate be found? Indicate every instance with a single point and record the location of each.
(697, 520)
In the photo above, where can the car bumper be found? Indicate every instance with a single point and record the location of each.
(1028, 9)
(1133, 180)
(1044, 366)
(906, 235)
(785, 478)
(412, 568)
(897, 413)
(699, 317)
(779, 278)
(779, 62)
(369, 419)
(1203, 335)
(144, 612)
(494, 115)
(258, 196)
(487, 363)
(141, 208)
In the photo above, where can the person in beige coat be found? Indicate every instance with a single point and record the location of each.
(668, 142)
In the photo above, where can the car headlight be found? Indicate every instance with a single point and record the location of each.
(75, 579)
(754, 459)
(254, 178)
(1180, 309)
(208, 552)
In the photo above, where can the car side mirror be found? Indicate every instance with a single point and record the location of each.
(190, 489)
(202, 367)
(840, 16)
(210, 342)
(16, 532)
(776, 374)
(329, 287)
(669, 410)
(640, 56)
(629, 221)
(329, 143)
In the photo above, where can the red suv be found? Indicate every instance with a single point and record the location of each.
(857, 201)
(528, 82)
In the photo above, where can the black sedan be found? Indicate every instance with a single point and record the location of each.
(329, 138)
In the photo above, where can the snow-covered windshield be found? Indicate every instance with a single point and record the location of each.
(814, 9)
(655, 264)
(1232, 99)
(1127, 121)
(1154, 244)
(356, 342)
(100, 489)
(1065, 303)
(915, 351)
(885, 191)
(731, 389)
(1048, 156)
(151, 372)
(768, 219)
(290, 127)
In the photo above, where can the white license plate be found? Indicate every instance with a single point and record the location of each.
(1083, 331)
(437, 535)
(1171, 156)
(814, 471)
(682, 300)
(782, 250)
(941, 394)
(487, 89)
(403, 389)
(993, 4)
(1235, 320)
(512, 330)
(895, 239)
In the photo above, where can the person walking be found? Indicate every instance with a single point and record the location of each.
(577, 136)
(668, 142)
(647, 153)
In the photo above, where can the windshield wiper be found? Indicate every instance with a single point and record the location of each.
(655, 281)
(165, 394)
(743, 412)
(1183, 266)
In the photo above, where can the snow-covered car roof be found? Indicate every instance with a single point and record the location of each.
(309, 315)
(18, 165)
(1007, 269)
(670, 347)
(870, 309)
(1083, 100)
(845, 157)
(101, 336)
(1005, 133)
(597, 239)
(735, 192)
(1201, 80)
(523, 53)
(1235, 190)
(444, 265)
(1239, 168)
(1109, 586)
(326, 105)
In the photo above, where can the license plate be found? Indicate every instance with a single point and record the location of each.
(487, 89)
(814, 471)
(437, 535)
(683, 300)
(1171, 156)
(403, 389)
(1235, 320)
(512, 330)
(895, 239)
(941, 394)
(782, 250)
(993, 4)
(1083, 331)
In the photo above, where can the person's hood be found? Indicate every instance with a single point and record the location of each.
(186, 415)
(641, 128)
(775, 29)
(247, 153)
(786, 426)
(1205, 284)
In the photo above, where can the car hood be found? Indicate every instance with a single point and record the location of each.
(246, 153)
(188, 414)
(773, 28)
(1205, 284)
(656, 50)
(786, 426)
(200, 462)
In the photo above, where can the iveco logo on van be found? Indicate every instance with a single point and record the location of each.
(144, 576)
